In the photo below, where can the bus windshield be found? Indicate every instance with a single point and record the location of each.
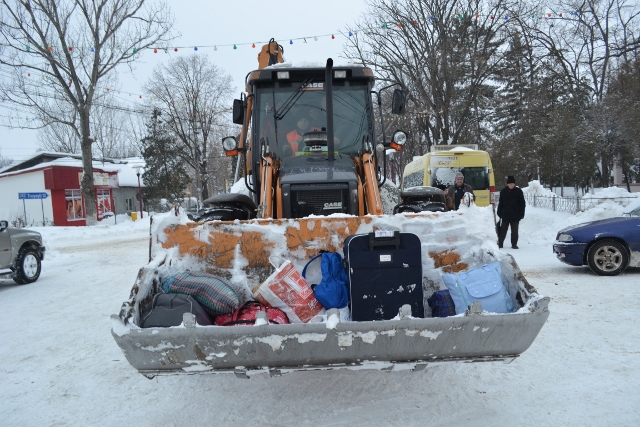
(477, 178)
(286, 111)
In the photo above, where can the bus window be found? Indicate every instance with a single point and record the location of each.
(477, 178)
(415, 179)
(443, 176)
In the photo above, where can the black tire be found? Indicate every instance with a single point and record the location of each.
(608, 258)
(27, 266)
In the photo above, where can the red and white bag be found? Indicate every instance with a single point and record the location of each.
(245, 315)
(287, 290)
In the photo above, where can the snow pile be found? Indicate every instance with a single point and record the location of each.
(458, 149)
(451, 242)
(109, 230)
(604, 210)
(611, 192)
(240, 187)
(390, 195)
(536, 189)
(540, 225)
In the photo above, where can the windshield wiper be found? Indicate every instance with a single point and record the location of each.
(289, 102)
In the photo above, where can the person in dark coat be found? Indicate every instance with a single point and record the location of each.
(448, 202)
(456, 191)
(511, 211)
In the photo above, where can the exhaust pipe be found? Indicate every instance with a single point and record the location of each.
(328, 90)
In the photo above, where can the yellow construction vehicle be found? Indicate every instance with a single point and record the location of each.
(309, 178)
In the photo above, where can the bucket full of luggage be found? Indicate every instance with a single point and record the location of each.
(380, 272)
(398, 292)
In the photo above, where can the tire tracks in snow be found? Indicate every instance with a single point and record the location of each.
(136, 242)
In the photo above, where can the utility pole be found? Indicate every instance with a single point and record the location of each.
(137, 168)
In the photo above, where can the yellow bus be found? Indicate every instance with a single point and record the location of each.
(439, 167)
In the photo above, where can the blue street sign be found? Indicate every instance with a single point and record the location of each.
(33, 195)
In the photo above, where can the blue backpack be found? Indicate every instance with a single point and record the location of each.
(332, 291)
(479, 284)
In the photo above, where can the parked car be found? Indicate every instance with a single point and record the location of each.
(21, 252)
(608, 246)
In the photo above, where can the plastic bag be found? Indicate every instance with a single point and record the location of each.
(287, 290)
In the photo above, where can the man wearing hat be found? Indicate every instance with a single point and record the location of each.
(510, 210)
(457, 191)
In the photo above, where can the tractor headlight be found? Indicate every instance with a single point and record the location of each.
(229, 143)
(399, 138)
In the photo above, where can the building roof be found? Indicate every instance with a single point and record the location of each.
(124, 167)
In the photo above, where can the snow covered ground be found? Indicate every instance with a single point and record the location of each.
(61, 367)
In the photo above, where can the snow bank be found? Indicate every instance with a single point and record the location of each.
(536, 189)
(611, 192)
(113, 229)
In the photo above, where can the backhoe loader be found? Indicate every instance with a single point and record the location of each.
(308, 177)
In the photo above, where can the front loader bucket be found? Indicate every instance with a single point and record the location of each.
(354, 345)
(239, 251)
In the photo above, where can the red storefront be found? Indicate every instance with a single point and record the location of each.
(67, 201)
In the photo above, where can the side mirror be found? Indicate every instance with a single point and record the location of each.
(4, 225)
(230, 146)
(238, 111)
(398, 105)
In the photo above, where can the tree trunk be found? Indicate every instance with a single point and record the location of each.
(626, 177)
(204, 180)
(605, 171)
(87, 183)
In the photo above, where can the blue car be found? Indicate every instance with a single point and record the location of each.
(608, 246)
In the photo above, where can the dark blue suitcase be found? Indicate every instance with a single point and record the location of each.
(385, 272)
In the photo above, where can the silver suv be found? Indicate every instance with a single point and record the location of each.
(21, 251)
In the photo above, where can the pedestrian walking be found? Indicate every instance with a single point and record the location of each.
(511, 211)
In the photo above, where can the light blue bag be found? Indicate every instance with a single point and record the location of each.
(482, 284)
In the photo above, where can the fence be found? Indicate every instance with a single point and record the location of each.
(572, 204)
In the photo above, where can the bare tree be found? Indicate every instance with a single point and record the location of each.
(622, 100)
(76, 46)
(444, 52)
(5, 161)
(110, 128)
(112, 134)
(587, 42)
(193, 96)
(59, 138)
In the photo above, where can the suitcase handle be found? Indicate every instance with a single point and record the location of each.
(384, 240)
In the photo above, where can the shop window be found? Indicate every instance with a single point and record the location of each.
(75, 209)
(104, 203)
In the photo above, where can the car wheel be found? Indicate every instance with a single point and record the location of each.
(27, 266)
(608, 258)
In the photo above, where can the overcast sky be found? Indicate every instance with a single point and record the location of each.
(223, 24)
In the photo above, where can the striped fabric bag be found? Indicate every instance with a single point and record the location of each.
(214, 294)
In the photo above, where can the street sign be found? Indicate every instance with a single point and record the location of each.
(32, 195)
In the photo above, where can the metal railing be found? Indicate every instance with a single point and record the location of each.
(572, 204)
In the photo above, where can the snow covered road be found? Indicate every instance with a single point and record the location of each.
(61, 367)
